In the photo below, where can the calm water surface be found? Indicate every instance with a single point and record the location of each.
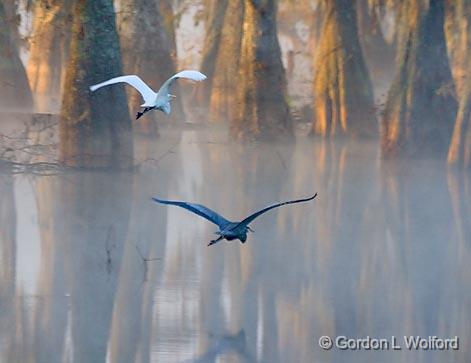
(91, 270)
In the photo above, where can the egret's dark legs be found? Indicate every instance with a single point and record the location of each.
(215, 240)
(146, 109)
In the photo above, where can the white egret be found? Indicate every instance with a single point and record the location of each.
(227, 230)
(152, 100)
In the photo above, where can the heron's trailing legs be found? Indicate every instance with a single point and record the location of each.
(146, 109)
(215, 240)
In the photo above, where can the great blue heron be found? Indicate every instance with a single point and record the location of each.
(227, 230)
(158, 101)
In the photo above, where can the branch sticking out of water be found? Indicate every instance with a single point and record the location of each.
(144, 260)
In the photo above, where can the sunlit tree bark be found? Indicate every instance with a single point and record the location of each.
(263, 112)
(421, 108)
(460, 147)
(147, 52)
(458, 33)
(14, 88)
(458, 37)
(95, 128)
(49, 48)
(343, 96)
(225, 76)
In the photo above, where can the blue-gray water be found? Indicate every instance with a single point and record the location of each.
(383, 251)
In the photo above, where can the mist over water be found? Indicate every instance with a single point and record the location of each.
(382, 251)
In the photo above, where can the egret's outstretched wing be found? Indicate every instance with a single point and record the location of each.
(250, 218)
(199, 209)
(193, 75)
(148, 95)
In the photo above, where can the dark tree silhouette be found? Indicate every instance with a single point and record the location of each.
(95, 128)
(212, 43)
(421, 107)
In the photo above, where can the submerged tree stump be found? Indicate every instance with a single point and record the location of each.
(343, 96)
(95, 128)
(263, 112)
(421, 107)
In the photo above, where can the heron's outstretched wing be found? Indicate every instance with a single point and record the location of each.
(193, 75)
(250, 218)
(199, 209)
(147, 93)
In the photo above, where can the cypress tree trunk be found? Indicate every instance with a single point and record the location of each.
(263, 111)
(460, 147)
(458, 34)
(211, 47)
(225, 75)
(14, 88)
(49, 49)
(421, 108)
(315, 33)
(147, 50)
(13, 19)
(343, 96)
(166, 10)
(458, 38)
(95, 129)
